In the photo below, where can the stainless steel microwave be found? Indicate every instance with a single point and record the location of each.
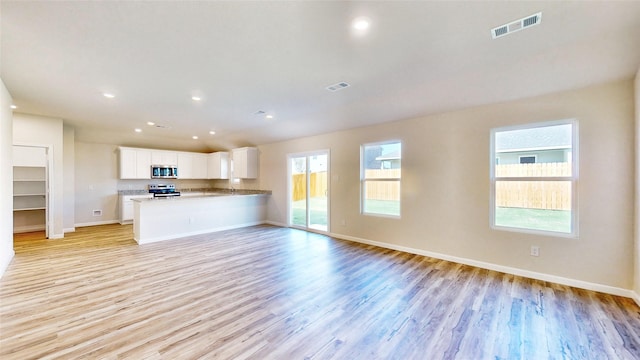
(164, 172)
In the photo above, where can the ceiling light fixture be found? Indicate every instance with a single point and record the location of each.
(194, 137)
(269, 117)
(138, 130)
(108, 95)
(212, 132)
(361, 23)
(150, 123)
(196, 98)
(14, 107)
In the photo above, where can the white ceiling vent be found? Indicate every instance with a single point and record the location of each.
(517, 25)
(338, 86)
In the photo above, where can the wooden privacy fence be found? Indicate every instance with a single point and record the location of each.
(549, 195)
(383, 190)
(317, 185)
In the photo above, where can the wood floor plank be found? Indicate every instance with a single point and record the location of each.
(267, 292)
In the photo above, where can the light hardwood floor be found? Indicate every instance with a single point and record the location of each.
(275, 293)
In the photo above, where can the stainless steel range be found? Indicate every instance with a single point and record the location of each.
(163, 190)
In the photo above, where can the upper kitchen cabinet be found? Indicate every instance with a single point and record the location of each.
(218, 165)
(135, 163)
(192, 165)
(245, 163)
(162, 157)
(200, 167)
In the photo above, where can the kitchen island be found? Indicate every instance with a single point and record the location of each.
(158, 219)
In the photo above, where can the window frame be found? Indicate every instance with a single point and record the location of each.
(573, 178)
(363, 180)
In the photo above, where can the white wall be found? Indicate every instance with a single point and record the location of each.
(96, 180)
(637, 197)
(6, 178)
(445, 186)
(69, 177)
(46, 131)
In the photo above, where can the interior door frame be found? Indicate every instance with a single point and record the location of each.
(49, 172)
(308, 154)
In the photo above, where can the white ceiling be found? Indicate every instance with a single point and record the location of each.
(418, 58)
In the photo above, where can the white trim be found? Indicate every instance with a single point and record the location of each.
(542, 148)
(198, 232)
(500, 268)
(94, 223)
(307, 155)
(69, 230)
(364, 179)
(636, 297)
(574, 178)
(279, 224)
(5, 261)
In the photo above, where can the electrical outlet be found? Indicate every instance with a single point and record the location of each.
(535, 250)
(192, 220)
(97, 212)
(343, 222)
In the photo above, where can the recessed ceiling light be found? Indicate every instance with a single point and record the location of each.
(108, 95)
(138, 130)
(196, 98)
(212, 132)
(194, 137)
(14, 107)
(269, 116)
(150, 123)
(361, 23)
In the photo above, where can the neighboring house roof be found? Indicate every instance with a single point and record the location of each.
(542, 138)
(394, 155)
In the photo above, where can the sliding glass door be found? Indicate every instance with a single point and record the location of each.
(309, 191)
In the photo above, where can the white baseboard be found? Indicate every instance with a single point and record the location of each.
(500, 268)
(69, 230)
(26, 229)
(94, 223)
(636, 297)
(275, 223)
(5, 260)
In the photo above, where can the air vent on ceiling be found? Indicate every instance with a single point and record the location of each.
(515, 26)
(338, 86)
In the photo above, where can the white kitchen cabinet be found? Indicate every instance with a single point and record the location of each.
(126, 206)
(163, 157)
(192, 165)
(199, 166)
(245, 163)
(185, 165)
(135, 163)
(218, 165)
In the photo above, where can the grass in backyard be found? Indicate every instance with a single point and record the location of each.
(535, 219)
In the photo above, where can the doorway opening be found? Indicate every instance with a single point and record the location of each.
(309, 191)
